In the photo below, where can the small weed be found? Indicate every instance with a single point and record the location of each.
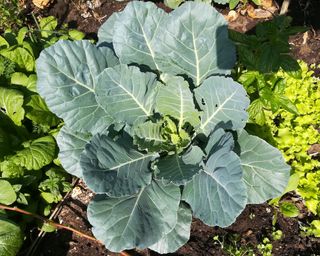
(230, 244)
(10, 14)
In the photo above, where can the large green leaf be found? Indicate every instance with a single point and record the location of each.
(11, 238)
(194, 41)
(67, 73)
(180, 169)
(219, 139)
(71, 144)
(217, 195)
(27, 81)
(178, 236)
(7, 194)
(127, 93)
(106, 31)
(135, 33)
(38, 112)
(133, 221)
(115, 167)
(265, 172)
(11, 102)
(36, 154)
(176, 100)
(224, 103)
(21, 56)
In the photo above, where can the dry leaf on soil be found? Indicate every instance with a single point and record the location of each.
(41, 3)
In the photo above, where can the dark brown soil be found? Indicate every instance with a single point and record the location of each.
(254, 224)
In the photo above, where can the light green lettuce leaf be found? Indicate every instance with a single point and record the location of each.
(36, 154)
(7, 193)
(11, 238)
(11, 102)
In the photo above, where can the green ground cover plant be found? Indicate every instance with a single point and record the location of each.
(294, 134)
(154, 125)
(30, 174)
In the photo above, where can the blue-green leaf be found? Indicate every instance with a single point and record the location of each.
(127, 93)
(115, 167)
(133, 221)
(105, 32)
(219, 139)
(217, 195)
(194, 41)
(265, 172)
(67, 77)
(224, 103)
(178, 236)
(71, 144)
(135, 33)
(180, 169)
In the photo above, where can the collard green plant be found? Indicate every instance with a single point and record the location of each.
(155, 127)
(173, 4)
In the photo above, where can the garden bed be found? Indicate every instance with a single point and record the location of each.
(254, 224)
(251, 227)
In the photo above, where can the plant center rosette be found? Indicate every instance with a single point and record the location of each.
(155, 127)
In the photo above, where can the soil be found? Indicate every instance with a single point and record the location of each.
(254, 224)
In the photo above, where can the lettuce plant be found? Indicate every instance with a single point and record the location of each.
(155, 127)
(294, 134)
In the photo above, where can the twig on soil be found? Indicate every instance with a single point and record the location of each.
(285, 7)
(54, 214)
(56, 225)
(50, 222)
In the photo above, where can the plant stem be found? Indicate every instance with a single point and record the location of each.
(56, 225)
